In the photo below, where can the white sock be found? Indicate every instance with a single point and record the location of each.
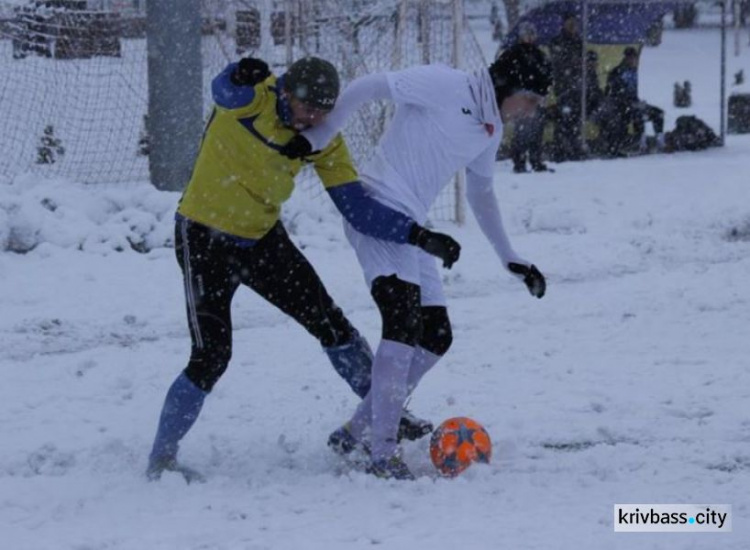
(380, 410)
(421, 363)
(359, 425)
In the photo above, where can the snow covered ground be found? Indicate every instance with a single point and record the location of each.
(627, 383)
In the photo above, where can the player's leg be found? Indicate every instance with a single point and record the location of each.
(437, 335)
(209, 288)
(398, 302)
(392, 273)
(434, 343)
(435, 338)
(282, 275)
(378, 259)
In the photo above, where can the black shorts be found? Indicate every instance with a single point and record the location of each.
(215, 264)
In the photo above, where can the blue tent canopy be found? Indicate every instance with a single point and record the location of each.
(607, 22)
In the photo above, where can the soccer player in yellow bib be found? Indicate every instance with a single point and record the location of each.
(228, 233)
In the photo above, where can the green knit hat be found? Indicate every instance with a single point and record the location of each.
(313, 81)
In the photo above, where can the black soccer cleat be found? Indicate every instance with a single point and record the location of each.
(343, 443)
(412, 428)
(390, 468)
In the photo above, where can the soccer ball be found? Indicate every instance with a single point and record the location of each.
(457, 443)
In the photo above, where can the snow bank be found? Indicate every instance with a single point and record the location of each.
(100, 219)
(107, 218)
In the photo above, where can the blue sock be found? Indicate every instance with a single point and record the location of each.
(181, 408)
(353, 362)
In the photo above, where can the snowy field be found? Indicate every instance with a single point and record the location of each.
(627, 383)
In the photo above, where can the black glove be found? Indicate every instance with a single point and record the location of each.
(250, 71)
(532, 277)
(297, 147)
(443, 246)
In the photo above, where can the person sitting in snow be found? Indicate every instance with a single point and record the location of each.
(625, 107)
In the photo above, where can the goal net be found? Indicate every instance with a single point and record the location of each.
(75, 90)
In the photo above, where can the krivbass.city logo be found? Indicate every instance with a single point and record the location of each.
(673, 518)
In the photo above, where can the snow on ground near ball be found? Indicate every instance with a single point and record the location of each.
(626, 383)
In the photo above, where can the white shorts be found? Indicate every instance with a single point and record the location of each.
(407, 262)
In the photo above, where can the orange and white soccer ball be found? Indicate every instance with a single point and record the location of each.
(457, 443)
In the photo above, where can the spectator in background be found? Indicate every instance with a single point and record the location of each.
(528, 132)
(566, 52)
(627, 108)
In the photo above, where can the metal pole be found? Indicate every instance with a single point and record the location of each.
(175, 96)
(737, 28)
(457, 59)
(303, 26)
(266, 30)
(288, 41)
(458, 27)
(584, 37)
(723, 87)
(425, 29)
(401, 16)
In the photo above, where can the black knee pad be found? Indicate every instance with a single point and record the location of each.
(398, 302)
(437, 335)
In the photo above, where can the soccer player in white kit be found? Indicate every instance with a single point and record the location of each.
(445, 120)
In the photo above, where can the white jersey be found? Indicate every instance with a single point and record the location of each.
(436, 131)
(445, 120)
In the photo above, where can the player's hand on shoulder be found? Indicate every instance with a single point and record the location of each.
(531, 276)
(250, 71)
(297, 147)
(441, 245)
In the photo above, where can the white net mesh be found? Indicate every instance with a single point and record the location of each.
(74, 93)
(371, 37)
